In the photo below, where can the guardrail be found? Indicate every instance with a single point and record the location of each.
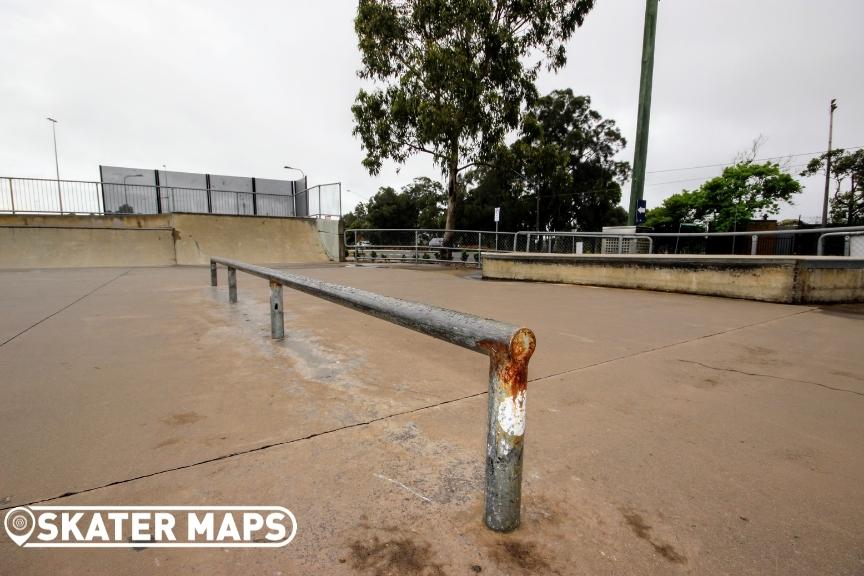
(846, 241)
(43, 196)
(424, 245)
(586, 242)
(794, 241)
(509, 349)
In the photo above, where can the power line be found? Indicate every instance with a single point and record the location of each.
(703, 178)
(754, 160)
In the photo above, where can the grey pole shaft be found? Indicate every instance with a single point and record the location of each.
(277, 318)
(846, 245)
(828, 163)
(213, 275)
(57, 165)
(232, 285)
(754, 244)
(505, 440)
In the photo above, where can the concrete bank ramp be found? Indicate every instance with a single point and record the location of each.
(28, 241)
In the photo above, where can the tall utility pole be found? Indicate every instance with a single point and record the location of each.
(56, 162)
(828, 161)
(637, 186)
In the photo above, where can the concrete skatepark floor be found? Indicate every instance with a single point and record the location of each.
(667, 433)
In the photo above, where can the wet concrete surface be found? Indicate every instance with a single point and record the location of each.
(667, 434)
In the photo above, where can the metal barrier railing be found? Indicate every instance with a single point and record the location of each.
(509, 349)
(585, 242)
(846, 241)
(792, 241)
(424, 245)
(43, 196)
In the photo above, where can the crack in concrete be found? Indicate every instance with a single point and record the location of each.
(243, 452)
(66, 307)
(373, 420)
(721, 369)
(672, 345)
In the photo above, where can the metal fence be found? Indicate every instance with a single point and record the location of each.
(41, 196)
(584, 243)
(509, 349)
(780, 242)
(424, 245)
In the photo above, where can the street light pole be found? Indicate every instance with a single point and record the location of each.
(828, 161)
(294, 195)
(56, 161)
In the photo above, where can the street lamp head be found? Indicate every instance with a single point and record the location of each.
(51, 120)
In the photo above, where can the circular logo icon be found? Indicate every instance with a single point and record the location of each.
(20, 523)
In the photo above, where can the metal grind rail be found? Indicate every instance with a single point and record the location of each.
(509, 349)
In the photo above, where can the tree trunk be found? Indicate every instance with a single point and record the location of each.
(452, 200)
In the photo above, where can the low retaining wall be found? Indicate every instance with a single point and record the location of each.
(28, 241)
(794, 280)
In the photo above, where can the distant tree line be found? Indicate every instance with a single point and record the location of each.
(559, 174)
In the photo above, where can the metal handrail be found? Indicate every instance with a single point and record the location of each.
(509, 349)
(820, 244)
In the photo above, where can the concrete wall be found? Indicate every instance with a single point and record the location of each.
(155, 240)
(251, 239)
(776, 279)
(331, 236)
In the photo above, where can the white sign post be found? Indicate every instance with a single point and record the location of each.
(497, 218)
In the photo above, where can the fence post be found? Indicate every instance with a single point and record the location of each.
(213, 276)
(232, 285)
(846, 245)
(416, 245)
(754, 244)
(277, 318)
(12, 195)
(508, 378)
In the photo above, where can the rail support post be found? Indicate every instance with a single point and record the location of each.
(508, 378)
(754, 244)
(232, 285)
(277, 318)
(213, 275)
(846, 246)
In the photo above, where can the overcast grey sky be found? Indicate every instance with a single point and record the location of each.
(243, 88)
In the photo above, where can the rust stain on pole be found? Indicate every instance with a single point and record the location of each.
(508, 382)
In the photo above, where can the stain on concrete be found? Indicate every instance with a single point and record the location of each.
(183, 418)
(167, 442)
(394, 557)
(522, 555)
(643, 530)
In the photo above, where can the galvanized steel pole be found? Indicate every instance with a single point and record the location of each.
(505, 439)
(277, 319)
(232, 285)
(213, 275)
(754, 244)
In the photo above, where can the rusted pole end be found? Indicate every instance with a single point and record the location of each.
(232, 285)
(508, 380)
(213, 275)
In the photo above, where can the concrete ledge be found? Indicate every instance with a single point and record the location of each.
(787, 279)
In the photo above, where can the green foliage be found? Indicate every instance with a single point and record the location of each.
(846, 204)
(450, 77)
(730, 199)
(565, 153)
(418, 205)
